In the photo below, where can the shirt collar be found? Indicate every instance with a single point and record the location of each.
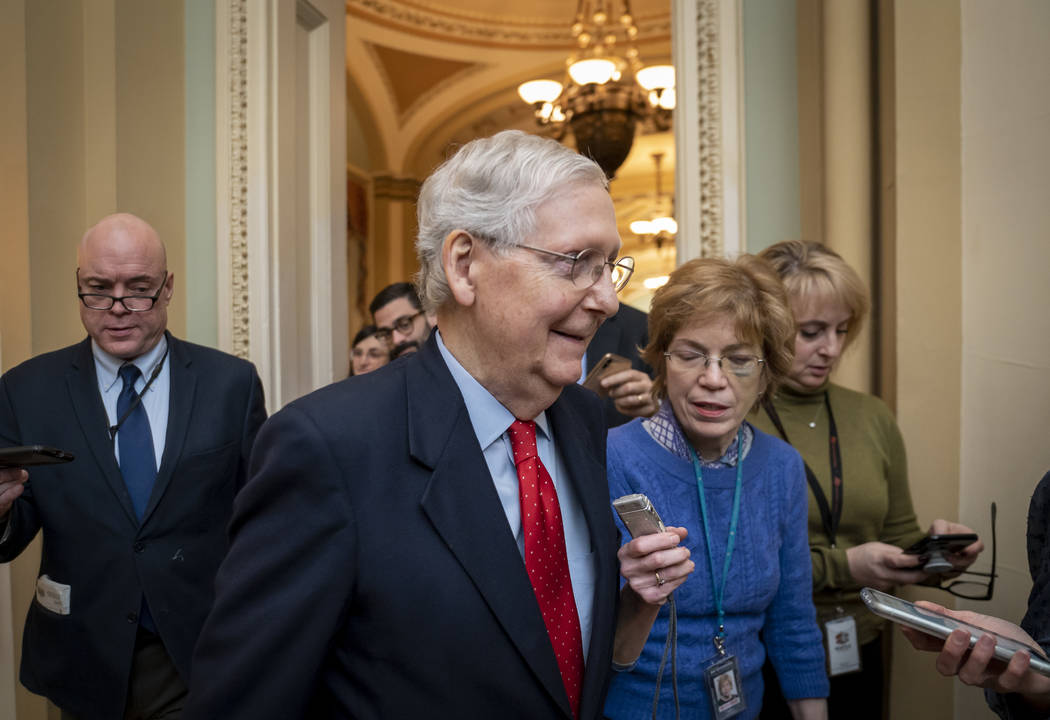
(108, 366)
(663, 427)
(488, 416)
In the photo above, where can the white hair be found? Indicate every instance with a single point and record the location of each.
(492, 188)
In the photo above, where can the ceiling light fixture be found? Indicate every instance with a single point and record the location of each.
(606, 91)
(660, 225)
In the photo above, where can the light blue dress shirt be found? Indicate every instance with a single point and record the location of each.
(490, 420)
(156, 399)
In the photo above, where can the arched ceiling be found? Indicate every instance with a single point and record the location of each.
(425, 76)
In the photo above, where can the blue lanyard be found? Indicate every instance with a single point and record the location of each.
(720, 588)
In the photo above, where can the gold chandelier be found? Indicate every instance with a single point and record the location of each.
(607, 91)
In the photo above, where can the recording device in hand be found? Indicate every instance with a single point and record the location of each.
(638, 515)
(932, 549)
(932, 623)
(29, 455)
(640, 518)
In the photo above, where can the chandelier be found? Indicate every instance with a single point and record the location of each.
(606, 92)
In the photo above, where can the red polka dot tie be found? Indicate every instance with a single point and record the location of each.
(545, 558)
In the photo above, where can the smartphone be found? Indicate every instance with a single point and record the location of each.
(28, 455)
(932, 548)
(638, 515)
(610, 364)
(942, 543)
(906, 613)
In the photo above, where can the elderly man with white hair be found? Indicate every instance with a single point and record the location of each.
(455, 558)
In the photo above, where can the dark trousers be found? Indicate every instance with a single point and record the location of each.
(854, 696)
(155, 690)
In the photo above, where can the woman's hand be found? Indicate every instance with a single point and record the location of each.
(655, 565)
(965, 557)
(978, 666)
(883, 566)
(632, 392)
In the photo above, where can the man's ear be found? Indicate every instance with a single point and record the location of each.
(459, 255)
(169, 288)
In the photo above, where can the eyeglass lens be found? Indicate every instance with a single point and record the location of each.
(589, 265)
(739, 365)
(132, 303)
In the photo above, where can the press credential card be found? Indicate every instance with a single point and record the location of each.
(843, 651)
(52, 595)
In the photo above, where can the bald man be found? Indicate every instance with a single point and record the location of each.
(134, 526)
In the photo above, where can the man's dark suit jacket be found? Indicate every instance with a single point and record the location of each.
(372, 572)
(93, 541)
(623, 334)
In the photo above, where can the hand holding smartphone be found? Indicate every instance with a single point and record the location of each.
(926, 621)
(931, 550)
(610, 364)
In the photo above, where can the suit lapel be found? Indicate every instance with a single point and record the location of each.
(463, 506)
(91, 415)
(587, 474)
(182, 386)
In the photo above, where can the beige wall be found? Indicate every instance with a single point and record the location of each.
(929, 295)
(14, 282)
(1005, 270)
(973, 332)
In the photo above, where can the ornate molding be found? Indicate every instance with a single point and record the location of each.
(238, 181)
(490, 30)
(709, 101)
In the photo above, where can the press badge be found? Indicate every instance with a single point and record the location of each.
(52, 595)
(724, 688)
(843, 651)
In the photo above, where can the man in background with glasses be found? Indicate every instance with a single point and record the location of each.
(457, 556)
(134, 527)
(398, 313)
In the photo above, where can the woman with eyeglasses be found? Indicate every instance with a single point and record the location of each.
(369, 351)
(860, 509)
(720, 335)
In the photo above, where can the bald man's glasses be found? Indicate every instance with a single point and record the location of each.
(131, 303)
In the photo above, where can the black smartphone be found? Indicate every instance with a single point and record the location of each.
(941, 543)
(932, 548)
(29, 455)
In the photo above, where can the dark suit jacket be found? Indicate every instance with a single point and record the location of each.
(93, 541)
(372, 572)
(1036, 620)
(623, 334)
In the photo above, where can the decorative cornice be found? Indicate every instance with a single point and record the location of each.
(238, 200)
(489, 31)
(710, 129)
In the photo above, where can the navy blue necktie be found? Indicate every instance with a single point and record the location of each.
(138, 462)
